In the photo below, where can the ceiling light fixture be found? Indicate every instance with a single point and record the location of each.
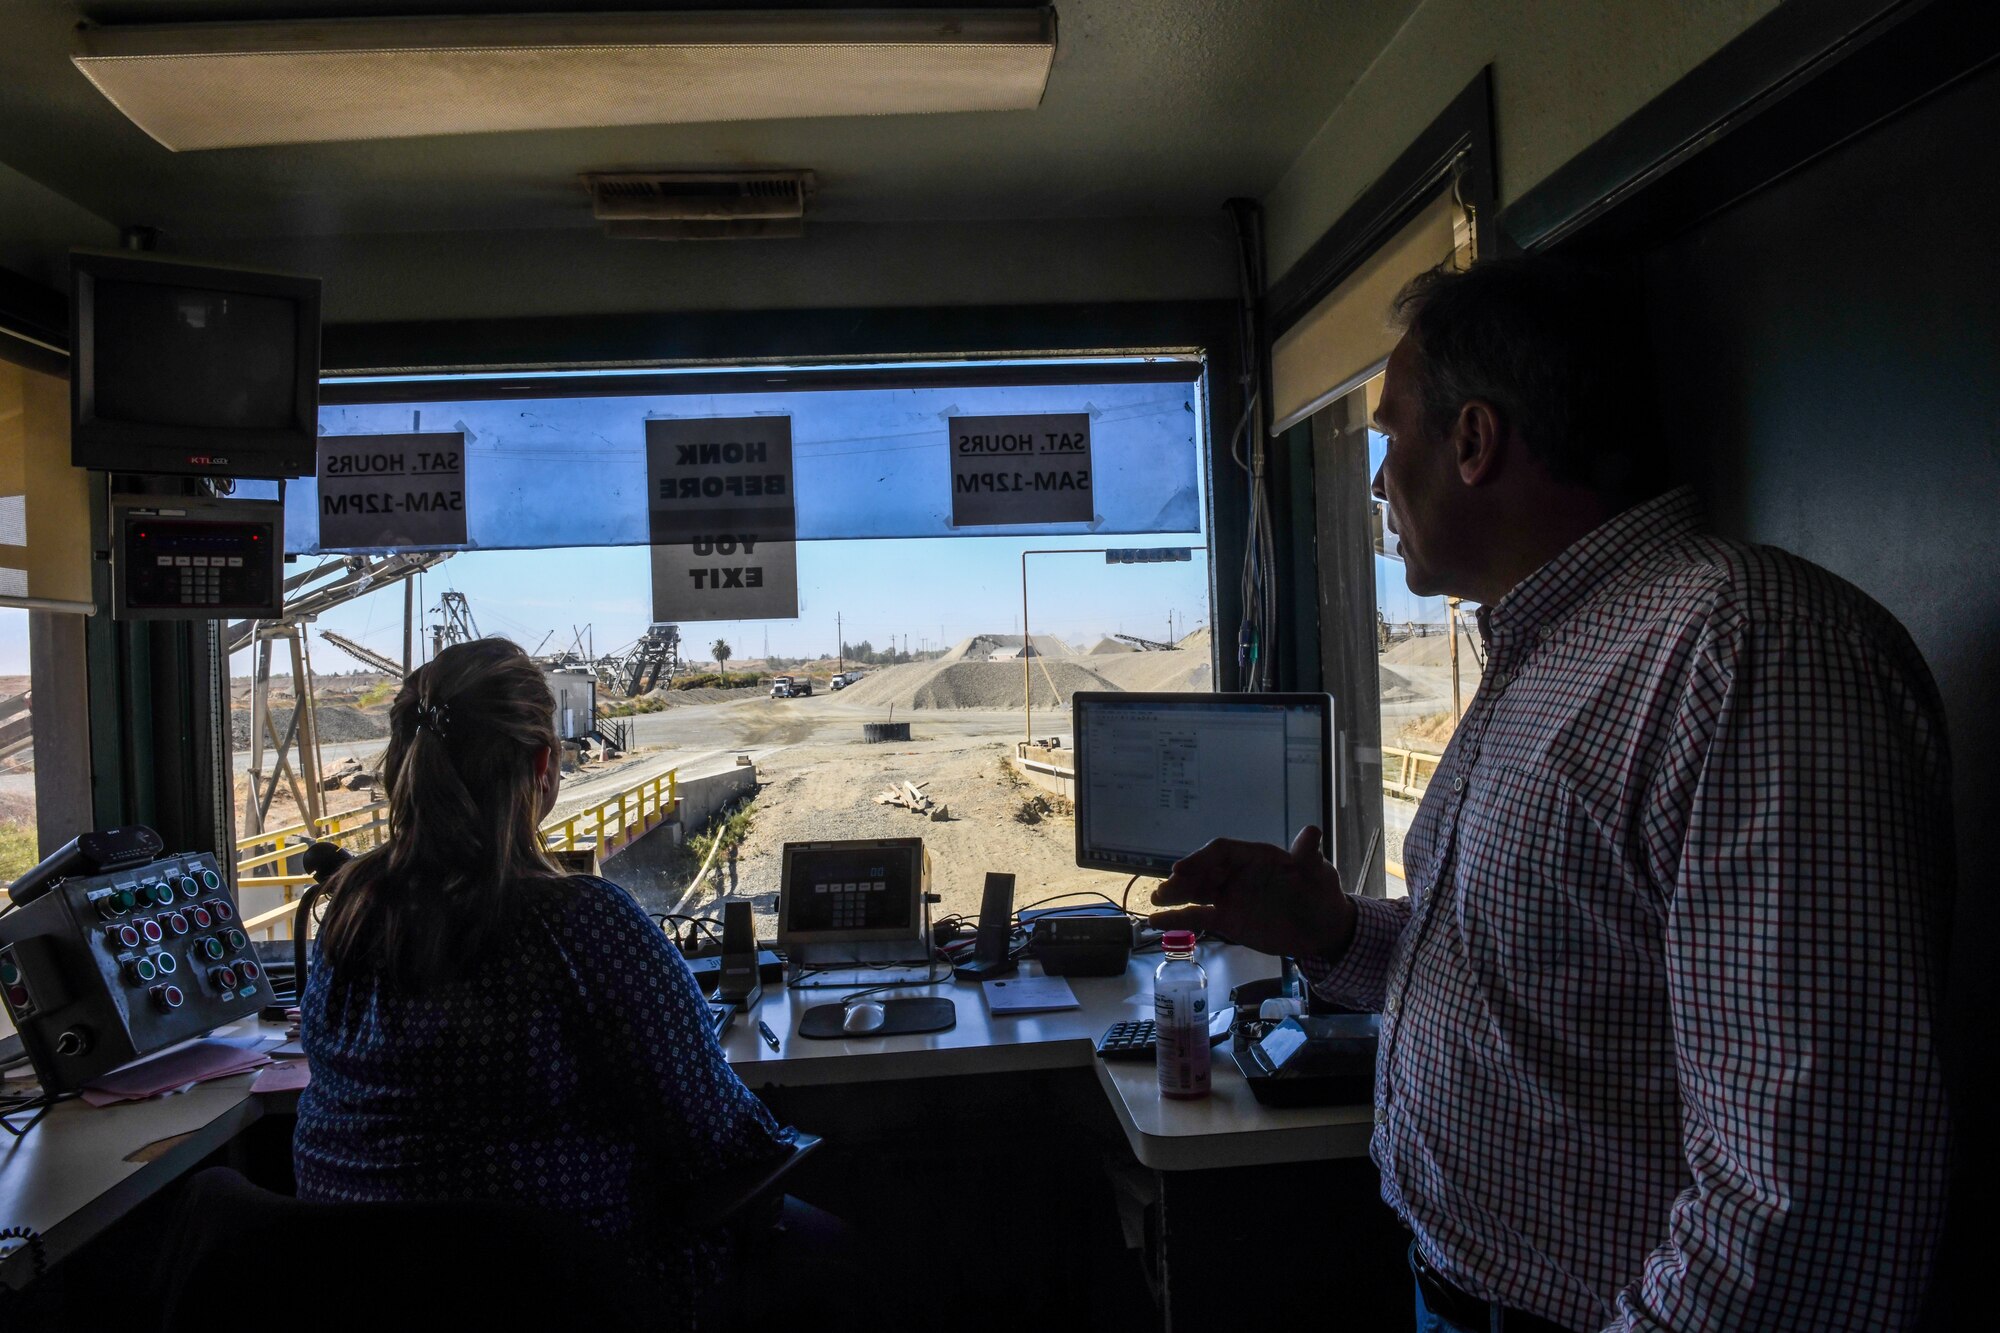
(239, 85)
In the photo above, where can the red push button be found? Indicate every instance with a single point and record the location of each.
(223, 911)
(126, 935)
(223, 977)
(178, 924)
(249, 970)
(151, 930)
(168, 997)
(202, 919)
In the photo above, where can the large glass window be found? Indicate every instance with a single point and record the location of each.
(899, 624)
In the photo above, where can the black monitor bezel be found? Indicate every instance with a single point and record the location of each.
(1081, 704)
(153, 449)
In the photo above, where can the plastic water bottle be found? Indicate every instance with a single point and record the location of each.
(1180, 1019)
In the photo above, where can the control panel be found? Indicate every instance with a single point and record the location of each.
(197, 559)
(106, 968)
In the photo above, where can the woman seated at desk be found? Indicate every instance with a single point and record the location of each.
(481, 1026)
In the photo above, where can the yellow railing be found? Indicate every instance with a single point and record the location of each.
(606, 826)
(1407, 772)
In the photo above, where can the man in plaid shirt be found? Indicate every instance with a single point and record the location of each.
(1657, 1042)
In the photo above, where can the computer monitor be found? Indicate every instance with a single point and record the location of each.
(1160, 775)
(192, 369)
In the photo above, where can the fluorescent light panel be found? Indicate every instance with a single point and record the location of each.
(241, 85)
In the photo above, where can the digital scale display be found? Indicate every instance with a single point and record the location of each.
(220, 560)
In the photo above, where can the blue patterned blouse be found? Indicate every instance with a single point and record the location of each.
(574, 1070)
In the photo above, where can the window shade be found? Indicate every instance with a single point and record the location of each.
(1346, 337)
(44, 502)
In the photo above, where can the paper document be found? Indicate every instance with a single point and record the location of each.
(175, 1070)
(1026, 995)
(283, 1076)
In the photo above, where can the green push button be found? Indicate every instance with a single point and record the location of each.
(10, 972)
(162, 894)
(125, 899)
(237, 939)
(143, 969)
(210, 879)
(212, 947)
(189, 888)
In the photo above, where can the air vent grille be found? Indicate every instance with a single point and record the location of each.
(690, 205)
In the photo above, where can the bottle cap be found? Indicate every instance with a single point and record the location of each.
(1178, 941)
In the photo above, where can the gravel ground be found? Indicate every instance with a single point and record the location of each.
(338, 723)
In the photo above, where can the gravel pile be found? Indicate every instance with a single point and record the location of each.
(949, 684)
(1181, 670)
(337, 723)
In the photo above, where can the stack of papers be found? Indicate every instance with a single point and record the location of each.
(1027, 995)
(175, 1071)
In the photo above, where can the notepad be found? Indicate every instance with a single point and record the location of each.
(1027, 995)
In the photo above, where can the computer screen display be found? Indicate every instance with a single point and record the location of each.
(1160, 775)
(197, 369)
(853, 890)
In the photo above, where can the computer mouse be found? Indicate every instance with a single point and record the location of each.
(863, 1016)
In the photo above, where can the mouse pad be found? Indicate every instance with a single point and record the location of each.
(900, 1018)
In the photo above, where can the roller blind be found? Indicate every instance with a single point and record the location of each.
(44, 502)
(1347, 337)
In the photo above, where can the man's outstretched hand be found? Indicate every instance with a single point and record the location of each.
(1262, 896)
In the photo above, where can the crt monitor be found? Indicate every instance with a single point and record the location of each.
(192, 369)
(1160, 775)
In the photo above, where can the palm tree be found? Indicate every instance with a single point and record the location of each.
(721, 649)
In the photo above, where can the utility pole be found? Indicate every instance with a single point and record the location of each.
(840, 635)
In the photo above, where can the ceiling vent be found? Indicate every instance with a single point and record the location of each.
(700, 205)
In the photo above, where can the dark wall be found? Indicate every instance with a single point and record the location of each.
(1830, 355)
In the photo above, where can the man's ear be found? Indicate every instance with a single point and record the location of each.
(1477, 439)
(542, 757)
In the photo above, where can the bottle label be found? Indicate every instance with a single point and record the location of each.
(1180, 1020)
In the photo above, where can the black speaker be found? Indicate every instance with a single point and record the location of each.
(739, 981)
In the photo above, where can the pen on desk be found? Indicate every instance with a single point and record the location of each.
(770, 1037)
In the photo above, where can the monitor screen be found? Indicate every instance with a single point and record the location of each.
(192, 369)
(1160, 775)
(176, 355)
(859, 890)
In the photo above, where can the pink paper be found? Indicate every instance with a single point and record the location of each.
(282, 1076)
(182, 1067)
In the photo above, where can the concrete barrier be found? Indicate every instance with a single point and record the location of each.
(701, 798)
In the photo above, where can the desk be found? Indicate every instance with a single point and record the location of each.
(73, 1175)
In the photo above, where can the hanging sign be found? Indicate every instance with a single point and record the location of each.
(379, 491)
(721, 518)
(1014, 470)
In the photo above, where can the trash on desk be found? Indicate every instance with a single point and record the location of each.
(173, 1071)
(282, 1076)
(1027, 995)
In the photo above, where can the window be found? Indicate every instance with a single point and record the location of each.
(898, 624)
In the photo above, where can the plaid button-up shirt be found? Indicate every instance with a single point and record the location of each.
(1657, 1015)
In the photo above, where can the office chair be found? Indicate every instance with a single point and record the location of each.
(344, 1266)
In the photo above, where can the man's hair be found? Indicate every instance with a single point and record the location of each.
(1559, 351)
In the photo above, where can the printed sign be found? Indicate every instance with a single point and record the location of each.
(722, 522)
(380, 491)
(1013, 470)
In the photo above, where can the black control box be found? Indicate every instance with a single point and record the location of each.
(1083, 946)
(196, 559)
(104, 969)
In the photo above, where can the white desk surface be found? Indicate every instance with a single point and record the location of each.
(1226, 1128)
(74, 1174)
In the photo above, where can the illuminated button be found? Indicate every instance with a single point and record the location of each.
(223, 911)
(249, 970)
(141, 969)
(212, 948)
(237, 939)
(126, 935)
(165, 962)
(189, 889)
(201, 917)
(178, 924)
(211, 880)
(151, 930)
(168, 997)
(223, 977)
(124, 900)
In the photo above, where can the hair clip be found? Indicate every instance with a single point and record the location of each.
(435, 718)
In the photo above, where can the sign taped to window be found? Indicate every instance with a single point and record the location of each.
(404, 491)
(1025, 469)
(721, 518)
